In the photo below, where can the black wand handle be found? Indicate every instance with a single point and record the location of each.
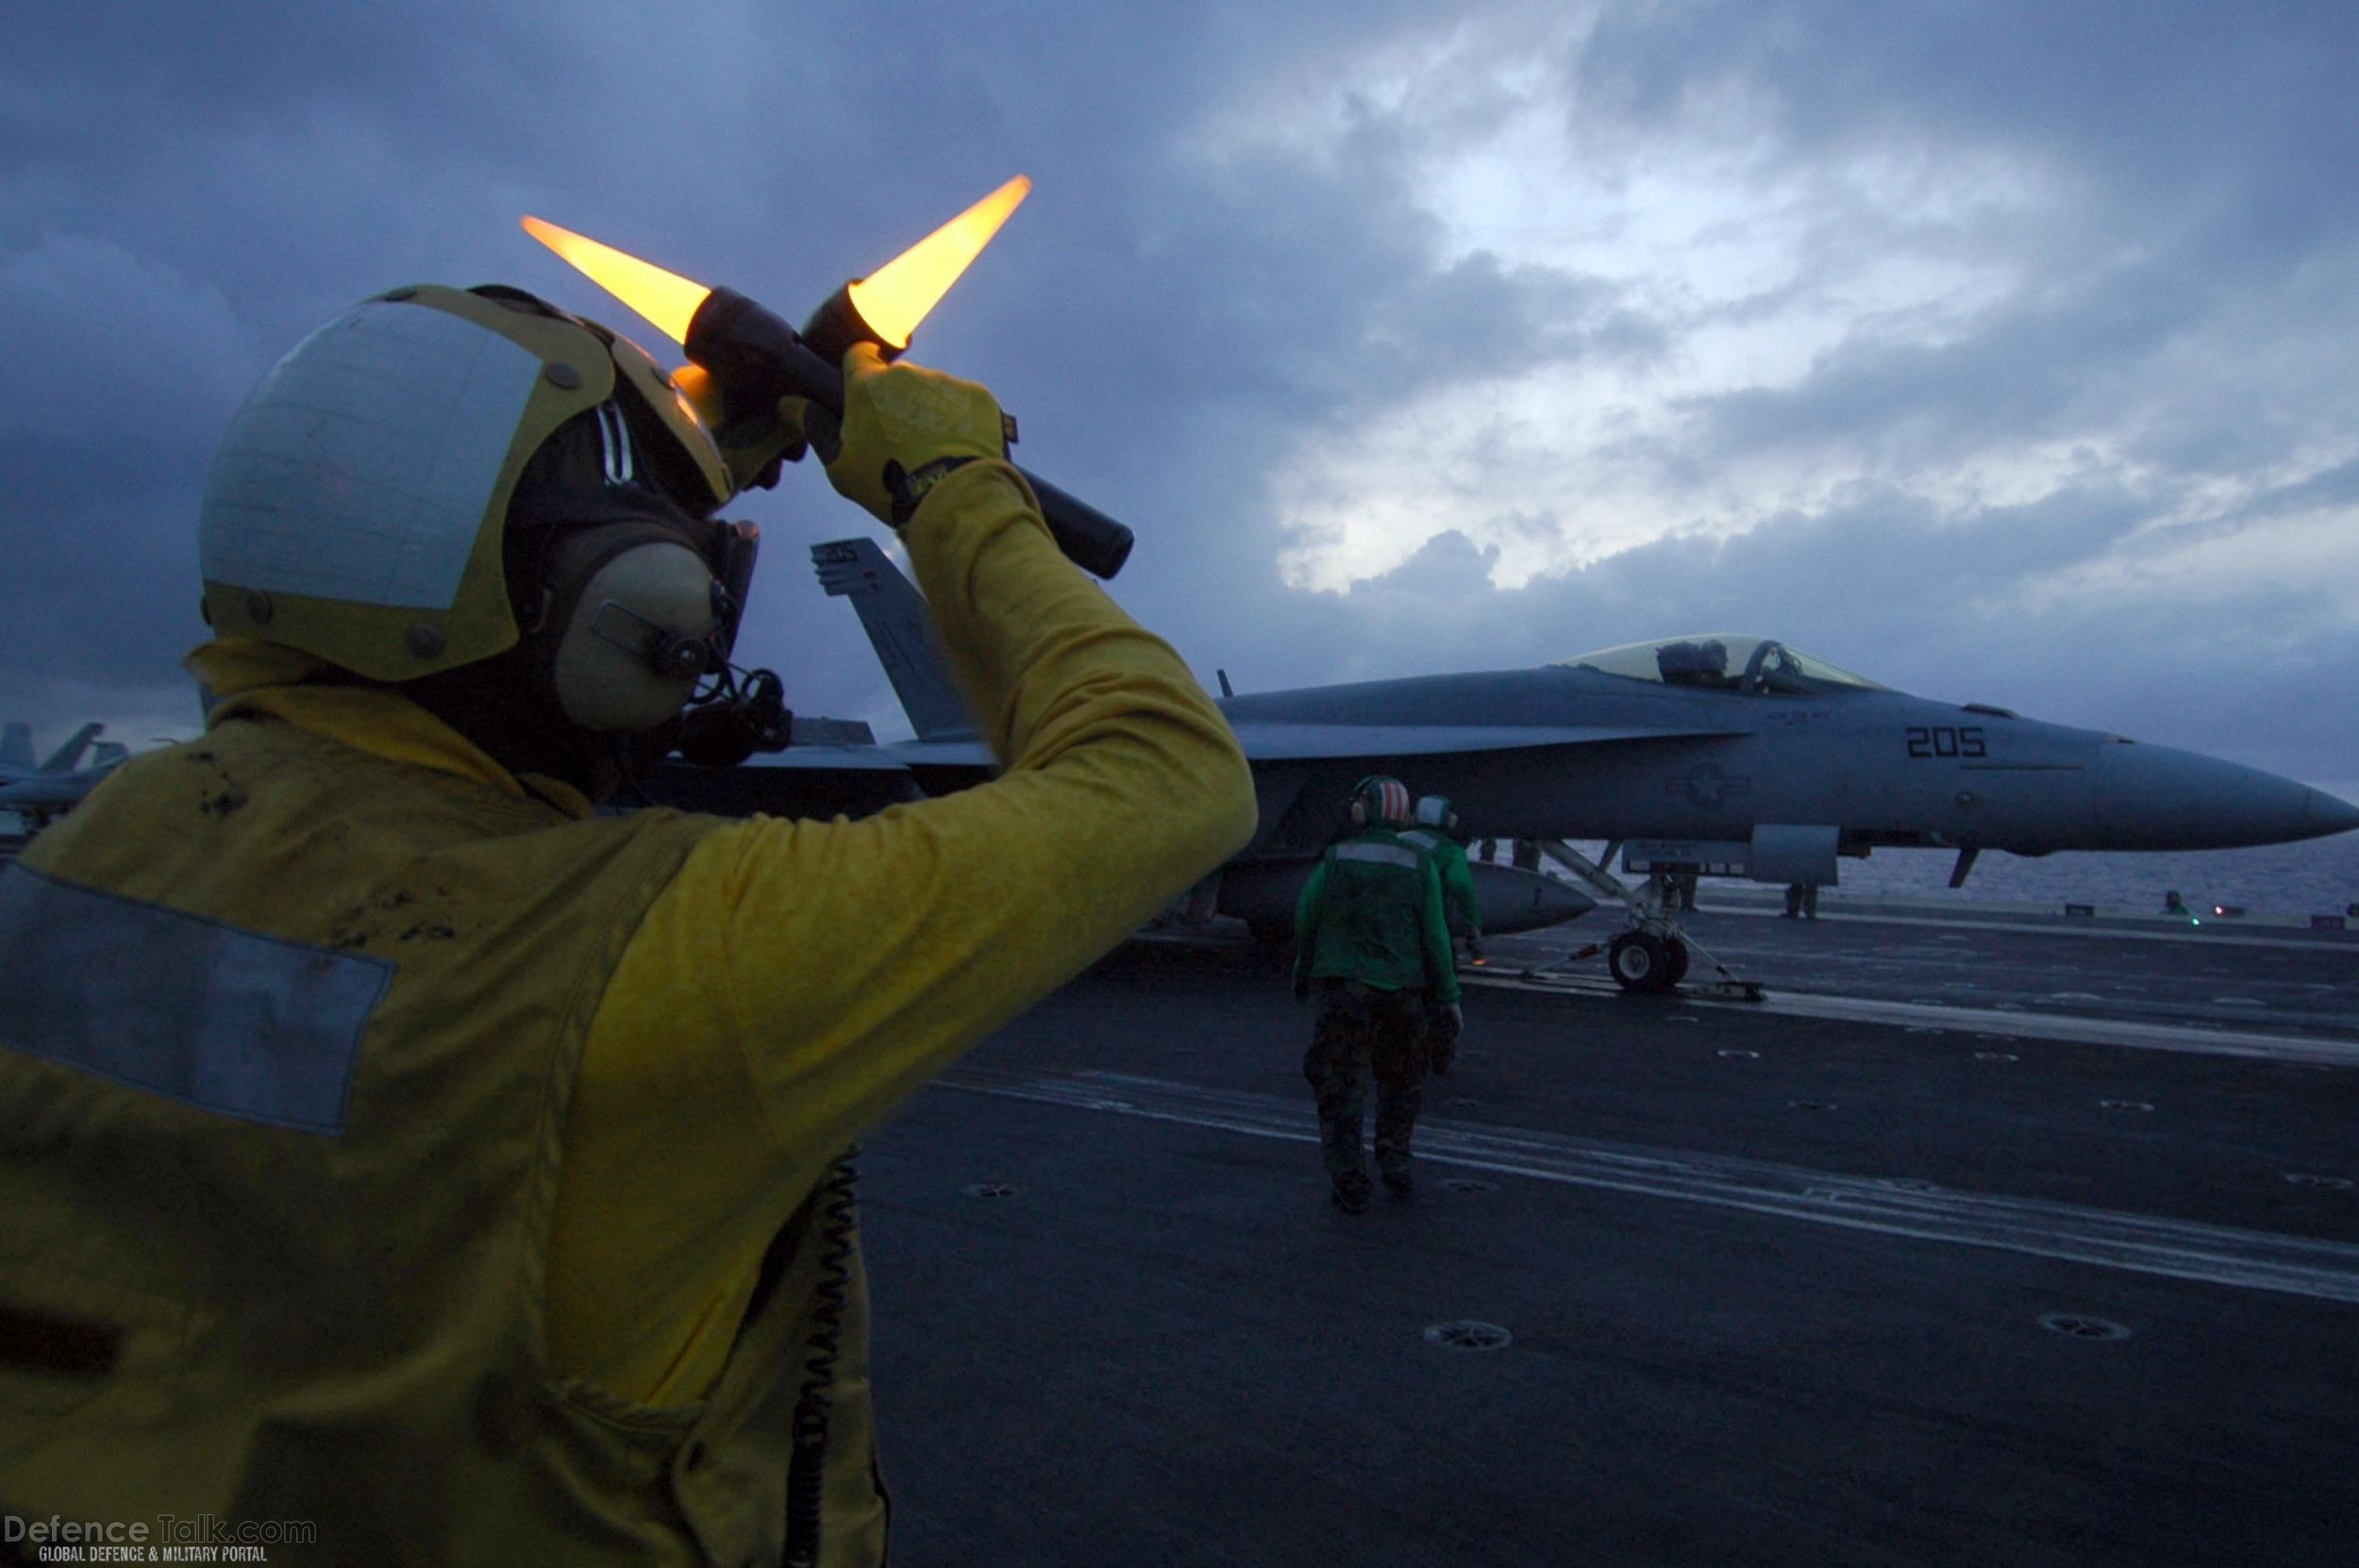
(757, 358)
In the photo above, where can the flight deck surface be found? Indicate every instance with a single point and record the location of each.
(2010, 1241)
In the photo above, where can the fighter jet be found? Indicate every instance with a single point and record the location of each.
(1722, 754)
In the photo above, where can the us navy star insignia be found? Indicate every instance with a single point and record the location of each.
(1708, 784)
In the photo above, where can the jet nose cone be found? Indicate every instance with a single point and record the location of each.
(2328, 815)
(2156, 797)
(1513, 900)
(1558, 901)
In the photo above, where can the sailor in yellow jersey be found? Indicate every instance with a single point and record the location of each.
(403, 1159)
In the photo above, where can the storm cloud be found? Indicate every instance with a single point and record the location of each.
(2000, 353)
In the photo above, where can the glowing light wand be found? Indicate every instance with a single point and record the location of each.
(754, 358)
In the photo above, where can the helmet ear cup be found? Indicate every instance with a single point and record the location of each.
(632, 614)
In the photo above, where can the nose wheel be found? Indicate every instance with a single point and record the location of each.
(1643, 962)
(1651, 956)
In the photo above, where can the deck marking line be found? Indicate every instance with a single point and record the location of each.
(2178, 1249)
(2026, 1025)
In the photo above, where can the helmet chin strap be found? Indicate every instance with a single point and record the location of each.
(512, 705)
(498, 704)
(746, 712)
(645, 645)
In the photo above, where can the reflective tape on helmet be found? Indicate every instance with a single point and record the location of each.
(1384, 799)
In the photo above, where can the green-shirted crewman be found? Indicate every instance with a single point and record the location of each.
(1437, 833)
(1371, 932)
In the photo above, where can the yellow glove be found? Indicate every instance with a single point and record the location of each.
(904, 427)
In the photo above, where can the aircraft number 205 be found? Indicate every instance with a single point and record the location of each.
(1946, 741)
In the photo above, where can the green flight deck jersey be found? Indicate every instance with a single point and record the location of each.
(1372, 912)
(1460, 905)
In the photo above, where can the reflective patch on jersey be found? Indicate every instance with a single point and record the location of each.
(1380, 854)
(1423, 840)
(206, 1013)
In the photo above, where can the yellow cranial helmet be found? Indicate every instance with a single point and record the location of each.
(368, 502)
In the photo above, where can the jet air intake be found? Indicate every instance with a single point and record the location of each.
(1782, 853)
(1789, 854)
(1263, 893)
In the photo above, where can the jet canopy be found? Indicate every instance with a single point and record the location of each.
(1723, 661)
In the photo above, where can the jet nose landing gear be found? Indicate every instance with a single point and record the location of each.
(1643, 962)
(1651, 956)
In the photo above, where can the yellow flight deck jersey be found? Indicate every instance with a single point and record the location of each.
(770, 987)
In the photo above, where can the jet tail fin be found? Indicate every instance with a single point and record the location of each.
(899, 628)
(16, 746)
(69, 756)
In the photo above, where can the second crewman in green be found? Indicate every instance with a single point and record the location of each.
(1436, 833)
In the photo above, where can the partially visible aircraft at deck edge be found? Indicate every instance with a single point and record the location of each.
(38, 791)
(16, 752)
(1737, 756)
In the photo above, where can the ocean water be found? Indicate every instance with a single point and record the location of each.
(2317, 878)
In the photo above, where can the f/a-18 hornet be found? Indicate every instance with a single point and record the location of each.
(1728, 756)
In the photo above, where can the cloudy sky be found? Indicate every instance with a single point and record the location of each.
(2000, 351)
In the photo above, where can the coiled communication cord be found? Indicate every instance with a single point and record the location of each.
(806, 1480)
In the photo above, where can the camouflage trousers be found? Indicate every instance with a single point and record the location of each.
(1363, 1033)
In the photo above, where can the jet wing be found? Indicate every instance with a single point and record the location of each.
(940, 753)
(1265, 741)
(1278, 742)
(829, 758)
